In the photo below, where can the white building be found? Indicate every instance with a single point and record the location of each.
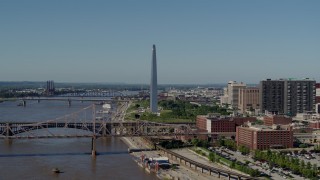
(233, 92)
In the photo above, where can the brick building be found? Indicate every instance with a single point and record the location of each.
(216, 123)
(264, 137)
(315, 124)
(248, 99)
(269, 120)
(201, 122)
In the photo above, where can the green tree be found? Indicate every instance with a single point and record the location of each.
(212, 157)
(195, 142)
(233, 164)
(308, 165)
(303, 146)
(302, 164)
(244, 149)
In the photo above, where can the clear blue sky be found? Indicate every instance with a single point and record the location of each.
(197, 41)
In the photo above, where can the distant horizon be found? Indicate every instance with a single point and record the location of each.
(111, 83)
(132, 83)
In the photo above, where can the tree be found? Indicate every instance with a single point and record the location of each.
(244, 149)
(315, 170)
(204, 143)
(302, 164)
(221, 142)
(303, 151)
(212, 156)
(233, 164)
(314, 167)
(303, 146)
(195, 142)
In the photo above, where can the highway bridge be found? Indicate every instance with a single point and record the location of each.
(14, 130)
(23, 101)
(94, 94)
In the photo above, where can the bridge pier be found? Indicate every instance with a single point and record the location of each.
(8, 141)
(8, 131)
(104, 130)
(93, 147)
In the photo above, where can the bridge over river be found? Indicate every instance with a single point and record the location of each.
(69, 100)
(107, 128)
(14, 130)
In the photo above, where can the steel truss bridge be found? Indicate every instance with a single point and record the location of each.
(68, 100)
(94, 94)
(92, 126)
(98, 129)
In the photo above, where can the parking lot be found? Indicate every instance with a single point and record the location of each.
(275, 173)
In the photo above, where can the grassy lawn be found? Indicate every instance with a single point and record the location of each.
(165, 115)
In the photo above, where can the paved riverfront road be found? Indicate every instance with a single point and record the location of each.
(195, 157)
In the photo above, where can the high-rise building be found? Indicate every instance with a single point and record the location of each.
(50, 89)
(287, 96)
(233, 92)
(224, 99)
(153, 84)
(300, 96)
(272, 96)
(248, 99)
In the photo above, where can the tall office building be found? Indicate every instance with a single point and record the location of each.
(153, 84)
(224, 99)
(50, 89)
(248, 99)
(272, 96)
(287, 96)
(233, 93)
(300, 96)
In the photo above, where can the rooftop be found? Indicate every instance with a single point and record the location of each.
(275, 127)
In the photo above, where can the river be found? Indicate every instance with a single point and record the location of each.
(35, 158)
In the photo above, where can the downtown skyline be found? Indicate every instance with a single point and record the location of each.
(202, 42)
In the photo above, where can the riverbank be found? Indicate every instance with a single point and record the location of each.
(181, 172)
